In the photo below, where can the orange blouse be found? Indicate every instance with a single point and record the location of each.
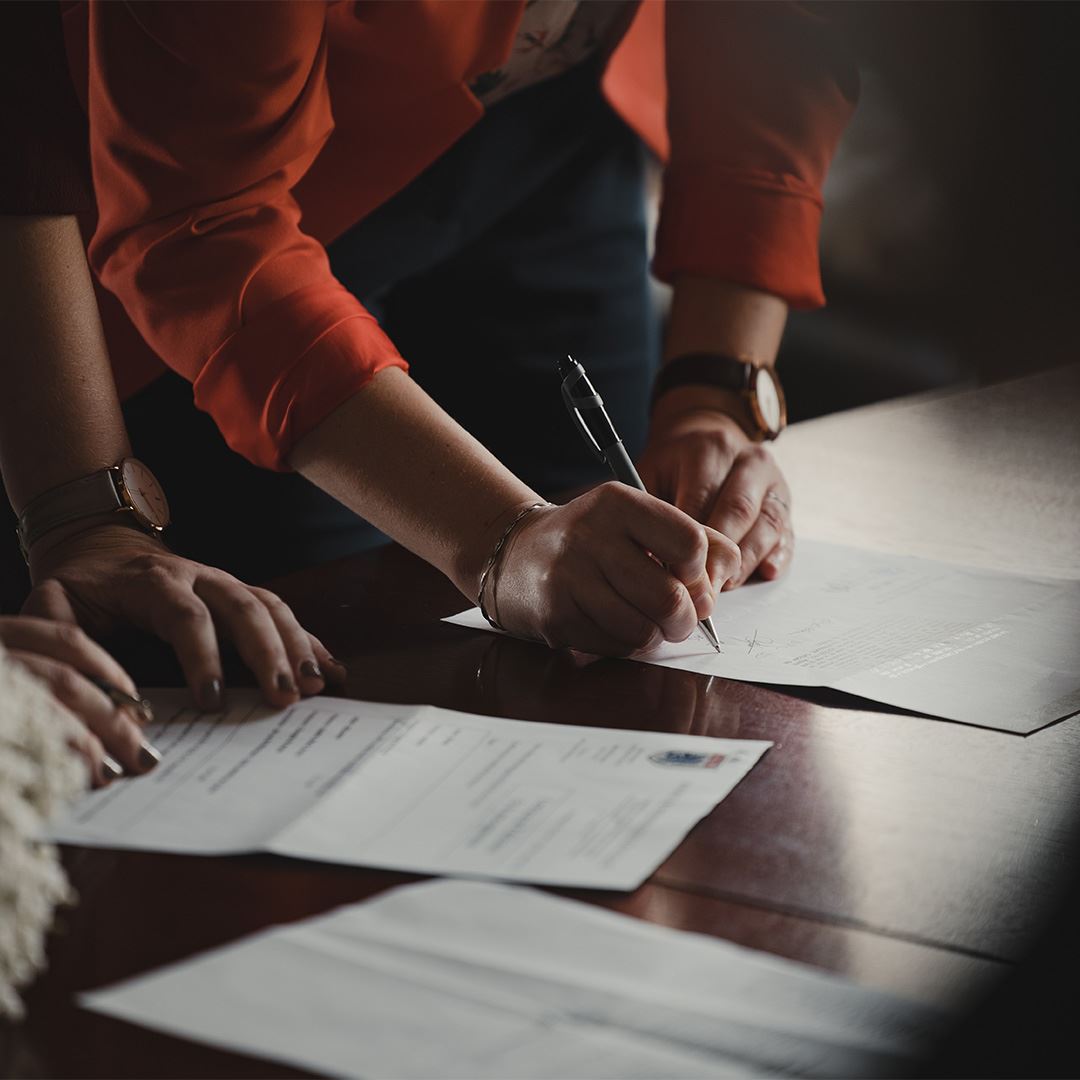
(230, 142)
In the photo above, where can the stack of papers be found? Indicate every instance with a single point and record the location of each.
(980, 647)
(422, 790)
(470, 979)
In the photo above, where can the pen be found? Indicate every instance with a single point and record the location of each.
(121, 699)
(587, 410)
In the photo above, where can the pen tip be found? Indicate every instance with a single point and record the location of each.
(567, 366)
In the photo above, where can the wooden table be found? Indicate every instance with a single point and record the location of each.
(907, 853)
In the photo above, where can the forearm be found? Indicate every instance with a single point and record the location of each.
(394, 457)
(59, 415)
(713, 316)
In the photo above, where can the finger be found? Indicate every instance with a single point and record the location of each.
(49, 600)
(246, 621)
(580, 631)
(101, 769)
(629, 630)
(724, 562)
(654, 593)
(179, 617)
(68, 644)
(700, 479)
(120, 736)
(764, 535)
(297, 641)
(778, 560)
(738, 502)
(672, 536)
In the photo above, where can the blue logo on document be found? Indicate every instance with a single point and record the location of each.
(686, 757)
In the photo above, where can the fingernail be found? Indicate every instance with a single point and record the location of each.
(285, 684)
(148, 757)
(310, 670)
(340, 669)
(111, 768)
(211, 697)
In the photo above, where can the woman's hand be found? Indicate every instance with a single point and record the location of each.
(74, 667)
(701, 460)
(112, 575)
(613, 572)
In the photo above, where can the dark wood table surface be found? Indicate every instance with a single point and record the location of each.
(908, 853)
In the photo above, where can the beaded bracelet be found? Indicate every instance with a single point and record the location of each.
(494, 557)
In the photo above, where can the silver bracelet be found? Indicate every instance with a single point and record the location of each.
(494, 557)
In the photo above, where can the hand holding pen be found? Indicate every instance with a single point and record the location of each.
(586, 407)
(612, 572)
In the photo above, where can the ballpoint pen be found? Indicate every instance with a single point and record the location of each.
(587, 410)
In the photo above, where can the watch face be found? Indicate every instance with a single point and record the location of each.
(144, 492)
(770, 406)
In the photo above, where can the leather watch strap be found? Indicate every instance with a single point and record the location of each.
(703, 369)
(89, 495)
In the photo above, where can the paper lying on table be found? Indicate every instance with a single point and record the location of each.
(471, 979)
(418, 789)
(969, 645)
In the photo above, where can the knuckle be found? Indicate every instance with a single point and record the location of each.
(72, 636)
(695, 541)
(246, 606)
(187, 612)
(66, 683)
(756, 454)
(268, 599)
(772, 515)
(741, 507)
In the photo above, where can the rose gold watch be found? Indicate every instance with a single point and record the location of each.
(757, 386)
(128, 488)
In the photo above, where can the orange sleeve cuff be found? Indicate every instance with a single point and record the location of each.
(754, 229)
(283, 373)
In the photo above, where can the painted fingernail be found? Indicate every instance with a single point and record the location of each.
(148, 757)
(285, 684)
(211, 696)
(340, 670)
(111, 768)
(310, 670)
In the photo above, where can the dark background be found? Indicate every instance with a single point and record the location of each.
(949, 244)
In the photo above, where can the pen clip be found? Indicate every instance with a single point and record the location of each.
(593, 401)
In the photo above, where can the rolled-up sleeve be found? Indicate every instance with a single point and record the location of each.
(758, 95)
(202, 119)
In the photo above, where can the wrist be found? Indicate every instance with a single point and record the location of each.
(689, 408)
(473, 556)
(105, 529)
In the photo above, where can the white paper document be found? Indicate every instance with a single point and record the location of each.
(971, 645)
(417, 789)
(473, 979)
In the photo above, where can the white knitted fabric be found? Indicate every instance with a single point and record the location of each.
(39, 775)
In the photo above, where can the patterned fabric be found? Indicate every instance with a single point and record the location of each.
(553, 37)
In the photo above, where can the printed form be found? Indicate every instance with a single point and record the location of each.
(980, 647)
(475, 979)
(422, 790)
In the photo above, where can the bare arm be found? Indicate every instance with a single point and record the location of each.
(49, 323)
(60, 420)
(577, 575)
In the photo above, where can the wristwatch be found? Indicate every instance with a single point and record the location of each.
(128, 488)
(756, 384)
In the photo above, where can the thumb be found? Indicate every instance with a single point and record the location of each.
(49, 600)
